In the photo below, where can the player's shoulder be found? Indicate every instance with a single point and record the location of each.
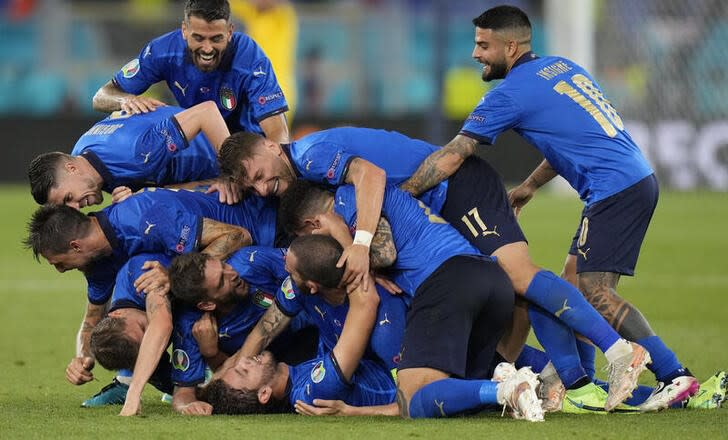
(171, 41)
(246, 52)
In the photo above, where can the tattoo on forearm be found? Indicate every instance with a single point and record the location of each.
(430, 172)
(271, 324)
(382, 252)
(227, 239)
(403, 404)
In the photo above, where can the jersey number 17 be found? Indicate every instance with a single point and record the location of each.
(606, 116)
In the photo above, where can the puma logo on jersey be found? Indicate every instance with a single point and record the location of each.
(251, 258)
(308, 164)
(259, 72)
(182, 89)
(149, 227)
(320, 312)
(146, 156)
(439, 406)
(385, 320)
(493, 232)
(563, 308)
(224, 334)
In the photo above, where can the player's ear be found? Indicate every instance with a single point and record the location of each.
(310, 225)
(264, 394)
(312, 286)
(70, 167)
(231, 28)
(207, 306)
(75, 245)
(184, 28)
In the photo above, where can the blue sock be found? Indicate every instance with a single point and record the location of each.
(448, 397)
(560, 298)
(664, 362)
(125, 373)
(532, 357)
(639, 395)
(588, 354)
(560, 344)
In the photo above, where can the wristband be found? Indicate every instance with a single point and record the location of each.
(363, 238)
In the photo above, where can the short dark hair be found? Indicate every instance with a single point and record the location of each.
(208, 10)
(236, 148)
(111, 346)
(227, 400)
(503, 17)
(42, 174)
(300, 201)
(186, 276)
(316, 257)
(51, 229)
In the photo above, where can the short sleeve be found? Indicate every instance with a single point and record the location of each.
(495, 114)
(140, 73)
(288, 298)
(325, 162)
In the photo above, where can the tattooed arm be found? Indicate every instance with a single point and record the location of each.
(79, 369)
(154, 342)
(382, 252)
(440, 165)
(220, 240)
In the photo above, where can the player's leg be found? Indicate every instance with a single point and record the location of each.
(607, 246)
(112, 394)
(485, 218)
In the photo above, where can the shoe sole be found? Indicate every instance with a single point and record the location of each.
(638, 365)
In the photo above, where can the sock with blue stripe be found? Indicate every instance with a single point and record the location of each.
(448, 397)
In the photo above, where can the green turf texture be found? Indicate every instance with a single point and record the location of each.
(681, 286)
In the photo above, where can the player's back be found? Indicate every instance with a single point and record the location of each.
(324, 156)
(147, 149)
(423, 239)
(558, 107)
(125, 294)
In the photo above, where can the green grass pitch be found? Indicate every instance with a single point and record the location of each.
(681, 286)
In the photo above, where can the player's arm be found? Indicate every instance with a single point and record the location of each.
(275, 128)
(229, 191)
(440, 165)
(382, 253)
(79, 369)
(220, 240)
(154, 342)
(184, 401)
(521, 194)
(323, 407)
(206, 118)
(369, 181)
(110, 98)
(357, 329)
(270, 325)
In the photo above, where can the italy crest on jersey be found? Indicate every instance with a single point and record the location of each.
(227, 98)
(318, 372)
(131, 68)
(263, 299)
(180, 360)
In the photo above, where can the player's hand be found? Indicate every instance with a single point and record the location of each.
(132, 407)
(120, 193)
(519, 196)
(205, 333)
(356, 259)
(322, 407)
(197, 408)
(389, 285)
(228, 190)
(79, 369)
(155, 279)
(140, 104)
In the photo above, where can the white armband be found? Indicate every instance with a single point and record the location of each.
(363, 237)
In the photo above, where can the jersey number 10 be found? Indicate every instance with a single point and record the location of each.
(606, 116)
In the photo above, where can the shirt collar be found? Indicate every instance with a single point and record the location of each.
(107, 228)
(100, 168)
(526, 57)
(287, 151)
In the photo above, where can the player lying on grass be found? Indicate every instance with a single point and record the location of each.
(126, 152)
(405, 243)
(164, 221)
(259, 384)
(219, 303)
(355, 155)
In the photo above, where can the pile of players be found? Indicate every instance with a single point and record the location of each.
(354, 271)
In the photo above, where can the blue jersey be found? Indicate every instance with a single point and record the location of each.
(263, 269)
(170, 222)
(423, 240)
(324, 157)
(371, 384)
(147, 149)
(125, 295)
(244, 85)
(558, 107)
(386, 339)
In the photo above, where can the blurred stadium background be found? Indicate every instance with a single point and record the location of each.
(397, 64)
